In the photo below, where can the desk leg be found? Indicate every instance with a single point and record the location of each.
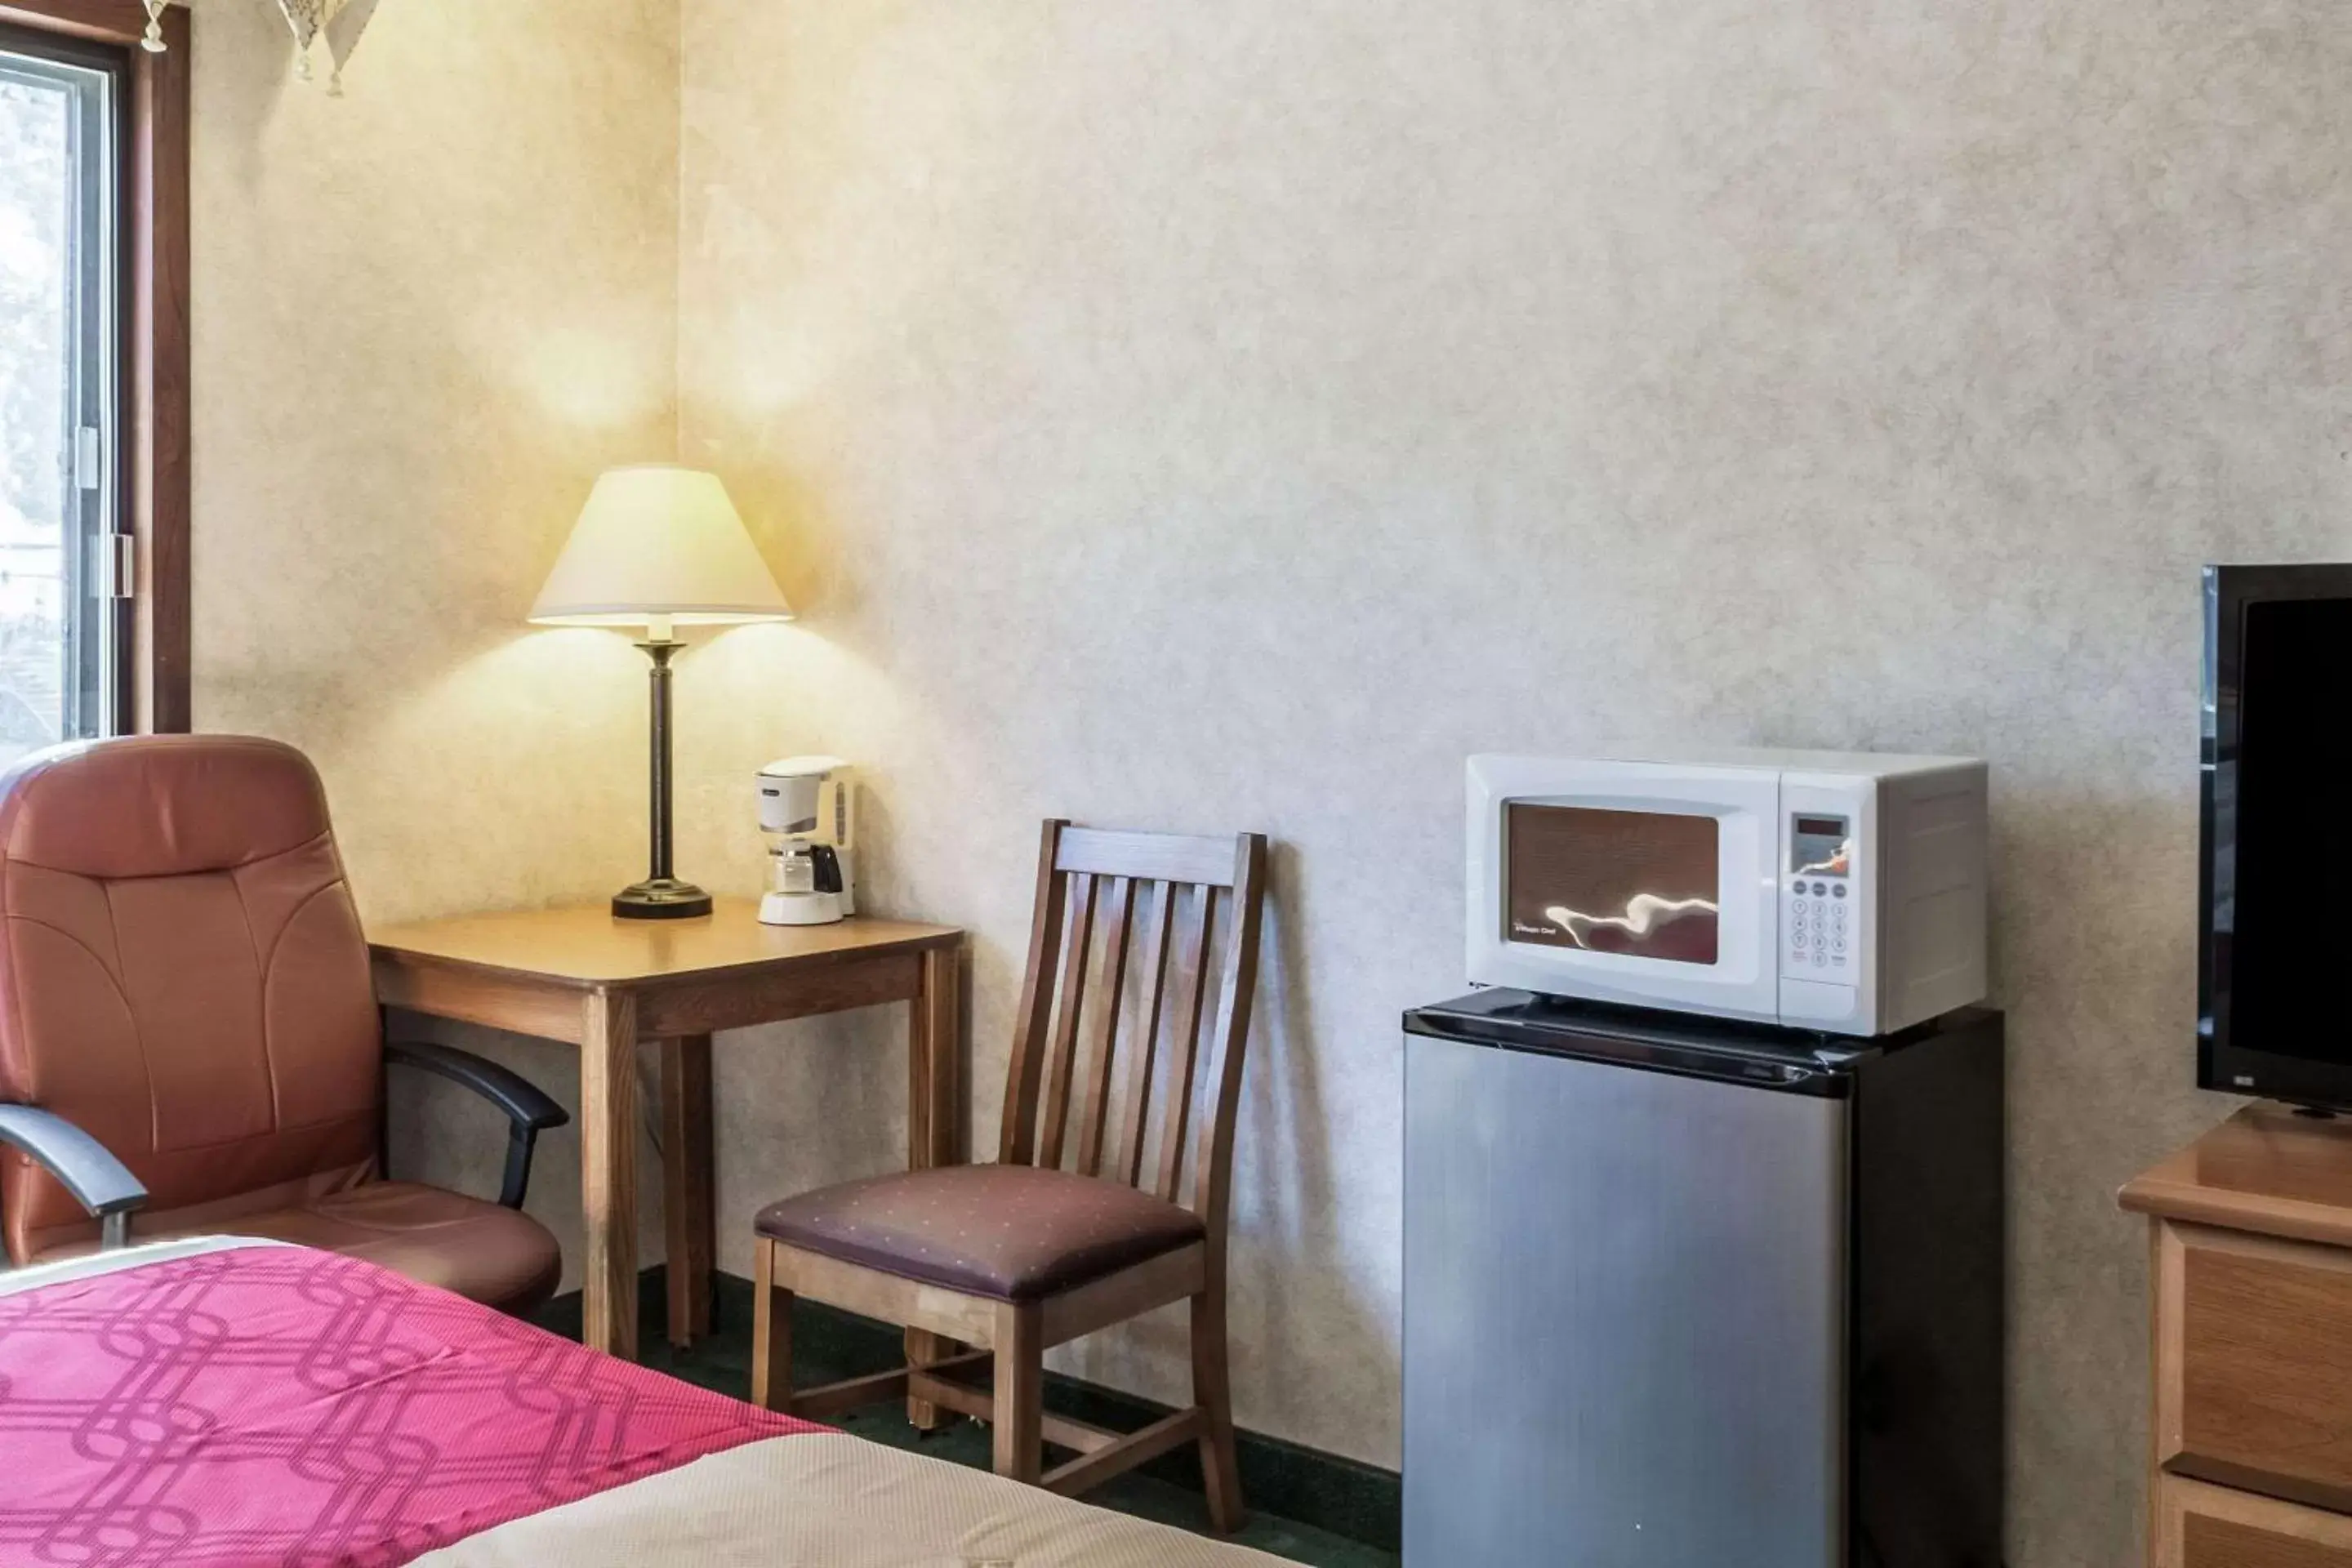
(608, 1171)
(934, 1116)
(686, 1184)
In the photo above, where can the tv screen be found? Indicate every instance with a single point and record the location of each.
(2277, 833)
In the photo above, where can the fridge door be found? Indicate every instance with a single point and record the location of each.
(1625, 1317)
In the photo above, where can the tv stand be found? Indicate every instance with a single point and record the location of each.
(2250, 1236)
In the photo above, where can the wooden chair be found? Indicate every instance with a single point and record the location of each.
(1020, 1256)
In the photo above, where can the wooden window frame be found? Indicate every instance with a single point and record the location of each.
(156, 414)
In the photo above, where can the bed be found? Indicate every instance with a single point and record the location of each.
(226, 1403)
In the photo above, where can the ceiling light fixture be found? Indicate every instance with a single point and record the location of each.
(343, 22)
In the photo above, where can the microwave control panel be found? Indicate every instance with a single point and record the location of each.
(1819, 920)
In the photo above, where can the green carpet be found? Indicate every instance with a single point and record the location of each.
(723, 1364)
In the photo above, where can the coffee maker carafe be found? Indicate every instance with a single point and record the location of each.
(808, 813)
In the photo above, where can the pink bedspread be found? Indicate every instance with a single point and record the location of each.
(282, 1406)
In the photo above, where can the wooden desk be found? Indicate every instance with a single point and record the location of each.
(580, 976)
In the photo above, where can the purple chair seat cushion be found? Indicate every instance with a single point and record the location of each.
(1010, 1233)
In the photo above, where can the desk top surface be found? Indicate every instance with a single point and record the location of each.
(586, 945)
(2265, 1170)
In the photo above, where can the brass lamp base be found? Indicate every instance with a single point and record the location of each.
(662, 899)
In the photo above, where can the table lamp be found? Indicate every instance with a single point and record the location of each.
(660, 547)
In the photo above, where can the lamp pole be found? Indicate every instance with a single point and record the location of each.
(661, 896)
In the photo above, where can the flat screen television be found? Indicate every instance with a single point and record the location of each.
(2275, 955)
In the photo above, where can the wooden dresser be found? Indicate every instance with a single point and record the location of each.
(2251, 1230)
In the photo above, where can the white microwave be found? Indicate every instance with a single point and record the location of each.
(1842, 892)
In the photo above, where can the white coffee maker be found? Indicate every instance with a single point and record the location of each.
(808, 812)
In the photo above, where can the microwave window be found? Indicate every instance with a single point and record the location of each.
(1640, 883)
(1820, 846)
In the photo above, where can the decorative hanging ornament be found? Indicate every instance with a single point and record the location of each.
(346, 20)
(340, 22)
(305, 17)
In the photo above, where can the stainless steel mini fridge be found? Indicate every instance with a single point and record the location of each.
(1681, 1293)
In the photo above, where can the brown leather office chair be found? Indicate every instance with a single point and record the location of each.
(188, 1027)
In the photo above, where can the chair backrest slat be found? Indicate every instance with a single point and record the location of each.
(1018, 1136)
(1095, 1001)
(1146, 1040)
(1071, 994)
(1184, 1043)
(1117, 918)
(1213, 1179)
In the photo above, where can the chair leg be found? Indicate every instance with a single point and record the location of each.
(1020, 1403)
(772, 1336)
(922, 1348)
(1213, 1391)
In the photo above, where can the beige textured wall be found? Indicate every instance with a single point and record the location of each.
(426, 314)
(1229, 415)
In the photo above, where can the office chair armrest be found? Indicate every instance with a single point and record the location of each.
(530, 1111)
(82, 1165)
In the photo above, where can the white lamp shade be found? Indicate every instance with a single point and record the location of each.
(659, 543)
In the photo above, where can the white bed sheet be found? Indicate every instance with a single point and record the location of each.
(832, 1500)
(13, 1280)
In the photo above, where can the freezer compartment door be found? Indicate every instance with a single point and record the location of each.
(1624, 1316)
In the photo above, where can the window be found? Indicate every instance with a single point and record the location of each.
(62, 533)
(94, 415)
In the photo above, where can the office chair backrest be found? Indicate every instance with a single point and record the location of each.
(182, 974)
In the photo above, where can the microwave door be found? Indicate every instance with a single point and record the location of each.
(1641, 884)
